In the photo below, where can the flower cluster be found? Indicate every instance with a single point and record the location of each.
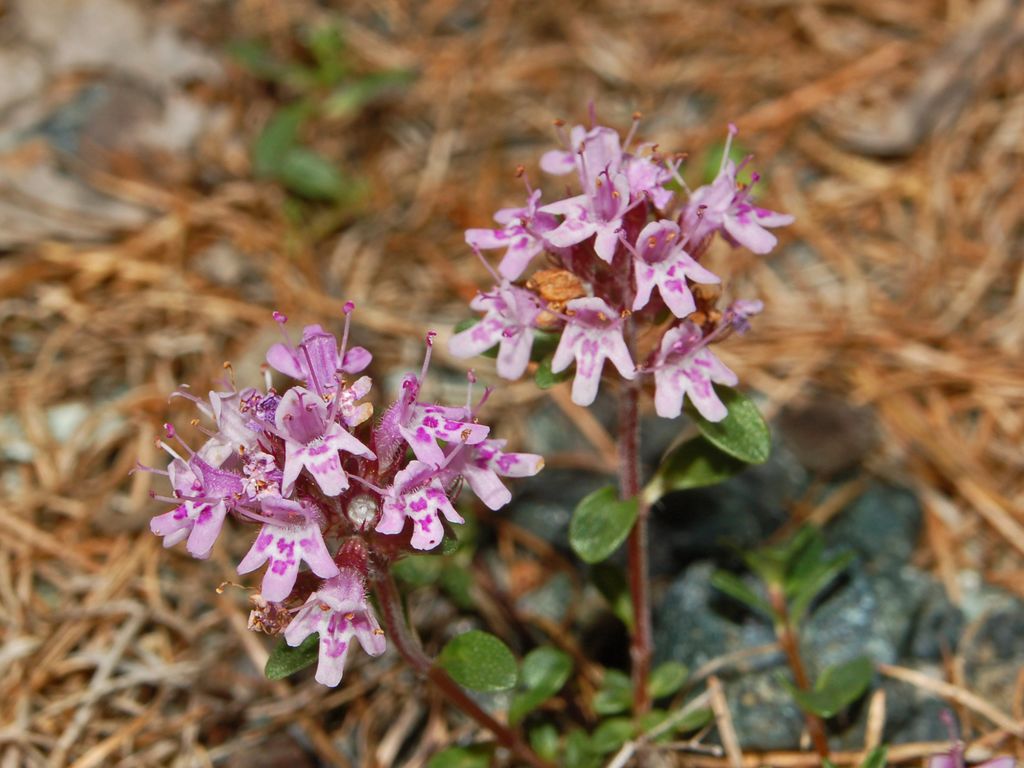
(328, 485)
(622, 254)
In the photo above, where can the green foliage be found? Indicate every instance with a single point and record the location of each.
(285, 660)
(578, 751)
(667, 679)
(611, 734)
(800, 568)
(611, 583)
(875, 758)
(600, 523)
(693, 464)
(545, 378)
(543, 673)
(322, 83)
(476, 756)
(837, 687)
(544, 740)
(736, 588)
(713, 159)
(743, 433)
(615, 694)
(479, 661)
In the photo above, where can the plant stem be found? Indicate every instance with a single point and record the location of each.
(410, 649)
(639, 579)
(790, 644)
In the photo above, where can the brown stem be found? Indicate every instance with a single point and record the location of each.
(791, 647)
(410, 649)
(639, 578)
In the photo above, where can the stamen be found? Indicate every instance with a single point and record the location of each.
(733, 130)
(426, 357)
(140, 467)
(487, 265)
(172, 434)
(366, 483)
(632, 131)
(560, 132)
(312, 373)
(281, 318)
(347, 309)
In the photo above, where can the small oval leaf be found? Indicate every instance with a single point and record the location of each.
(743, 433)
(667, 679)
(544, 671)
(694, 464)
(838, 686)
(601, 522)
(477, 756)
(480, 661)
(615, 694)
(285, 660)
(611, 734)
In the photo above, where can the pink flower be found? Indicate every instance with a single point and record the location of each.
(648, 177)
(481, 465)
(663, 264)
(417, 494)
(206, 492)
(313, 440)
(598, 150)
(725, 206)
(316, 360)
(509, 318)
(592, 335)
(521, 234)
(684, 368)
(597, 212)
(338, 611)
(293, 536)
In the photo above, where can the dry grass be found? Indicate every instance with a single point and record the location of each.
(900, 286)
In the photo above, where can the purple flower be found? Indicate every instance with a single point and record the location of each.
(511, 312)
(521, 234)
(293, 536)
(352, 412)
(592, 335)
(481, 465)
(316, 360)
(338, 611)
(597, 212)
(207, 492)
(725, 206)
(417, 494)
(684, 368)
(648, 177)
(663, 264)
(596, 151)
(313, 440)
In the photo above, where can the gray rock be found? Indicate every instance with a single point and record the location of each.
(717, 521)
(882, 525)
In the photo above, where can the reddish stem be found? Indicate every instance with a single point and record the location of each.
(791, 647)
(639, 578)
(410, 649)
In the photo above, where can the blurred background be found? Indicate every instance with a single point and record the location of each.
(170, 172)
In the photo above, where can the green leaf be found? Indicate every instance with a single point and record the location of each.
(743, 433)
(667, 679)
(477, 756)
(545, 378)
(694, 720)
(837, 687)
(544, 741)
(875, 758)
(543, 673)
(457, 582)
(418, 570)
(279, 137)
(480, 661)
(611, 734)
(285, 660)
(694, 464)
(544, 344)
(600, 524)
(578, 752)
(651, 720)
(805, 590)
(350, 98)
(615, 694)
(257, 58)
(736, 588)
(611, 583)
(310, 174)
